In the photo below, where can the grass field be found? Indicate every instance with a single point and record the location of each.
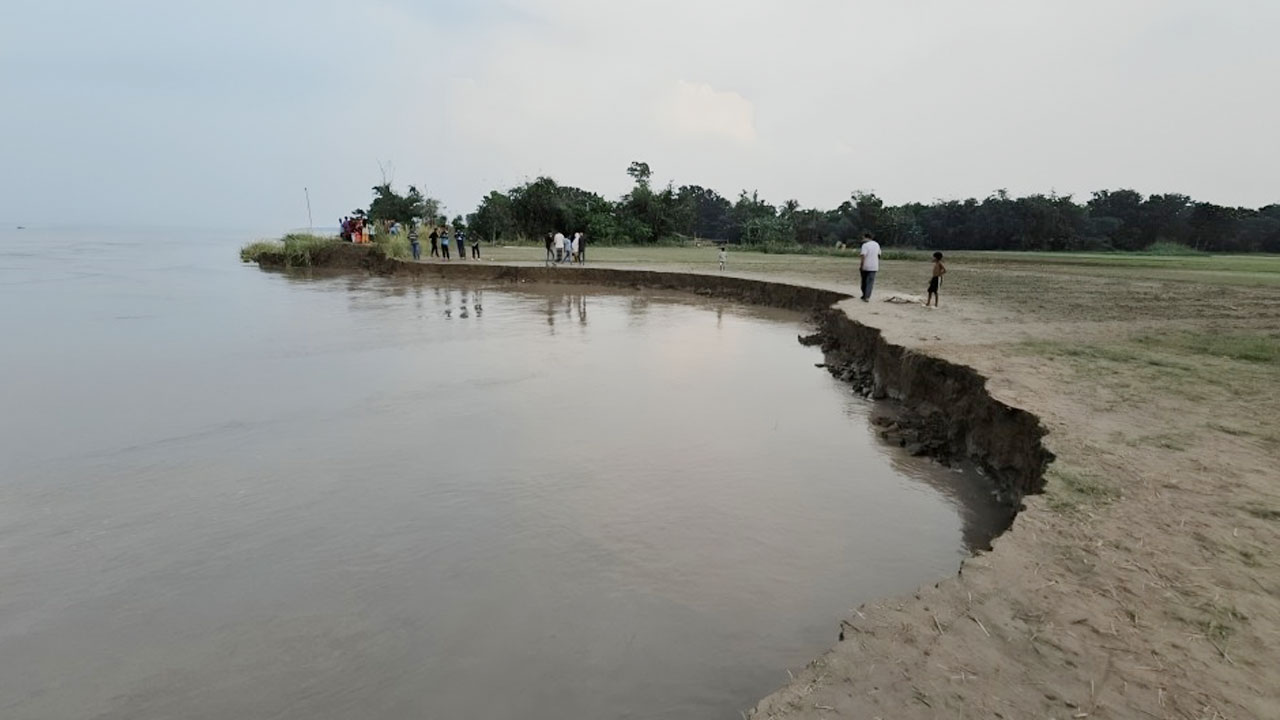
(1223, 269)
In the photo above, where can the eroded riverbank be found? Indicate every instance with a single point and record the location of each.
(943, 409)
(1138, 584)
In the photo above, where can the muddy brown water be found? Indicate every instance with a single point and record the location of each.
(233, 493)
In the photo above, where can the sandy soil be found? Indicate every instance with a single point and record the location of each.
(1144, 583)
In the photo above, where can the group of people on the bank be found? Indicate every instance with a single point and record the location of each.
(357, 230)
(445, 240)
(573, 250)
(441, 239)
(869, 265)
(561, 249)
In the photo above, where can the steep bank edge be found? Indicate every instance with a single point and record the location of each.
(947, 411)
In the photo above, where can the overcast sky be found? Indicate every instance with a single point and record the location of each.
(217, 114)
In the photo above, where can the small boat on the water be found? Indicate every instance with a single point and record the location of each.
(21, 227)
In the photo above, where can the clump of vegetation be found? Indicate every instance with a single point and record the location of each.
(1262, 512)
(1260, 348)
(255, 251)
(1218, 622)
(294, 250)
(393, 246)
(782, 248)
(1070, 490)
(1169, 247)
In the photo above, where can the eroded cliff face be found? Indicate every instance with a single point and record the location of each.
(942, 410)
(947, 412)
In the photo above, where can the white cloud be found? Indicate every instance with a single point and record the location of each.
(807, 99)
(700, 110)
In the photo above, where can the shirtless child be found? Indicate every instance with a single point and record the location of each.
(938, 271)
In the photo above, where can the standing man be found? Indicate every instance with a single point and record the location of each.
(557, 243)
(870, 265)
(435, 241)
(413, 243)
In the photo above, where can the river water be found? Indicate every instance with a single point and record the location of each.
(228, 493)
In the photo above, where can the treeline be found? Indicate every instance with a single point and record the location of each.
(1109, 220)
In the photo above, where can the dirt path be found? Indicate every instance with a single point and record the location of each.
(1145, 582)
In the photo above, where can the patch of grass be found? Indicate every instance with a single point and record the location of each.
(1262, 512)
(302, 249)
(1082, 351)
(901, 254)
(829, 251)
(1164, 441)
(1070, 490)
(1249, 558)
(1219, 622)
(393, 246)
(1228, 430)
(293, 250)
(1259, 348)
(1168, 247)
(256, 250)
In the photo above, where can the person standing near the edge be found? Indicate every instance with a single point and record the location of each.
(870, 265)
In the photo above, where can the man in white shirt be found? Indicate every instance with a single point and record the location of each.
(557, 244)
(870, 253)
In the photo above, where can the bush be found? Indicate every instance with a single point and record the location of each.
(1169, 247)
(393, 246)
(255, 251)
(303, 250)
(294, 250)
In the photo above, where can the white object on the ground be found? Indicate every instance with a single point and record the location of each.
(905, 299)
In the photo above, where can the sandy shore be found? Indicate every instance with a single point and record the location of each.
(1144, 582)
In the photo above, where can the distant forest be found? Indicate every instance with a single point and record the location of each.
(1109, 220)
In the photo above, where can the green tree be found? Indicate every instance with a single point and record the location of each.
(1164, 217)
(640, 172)
(1122, 205)
(706, 210)
(492, 220)
(1213, 227)
(390, 206)
(748, 219)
